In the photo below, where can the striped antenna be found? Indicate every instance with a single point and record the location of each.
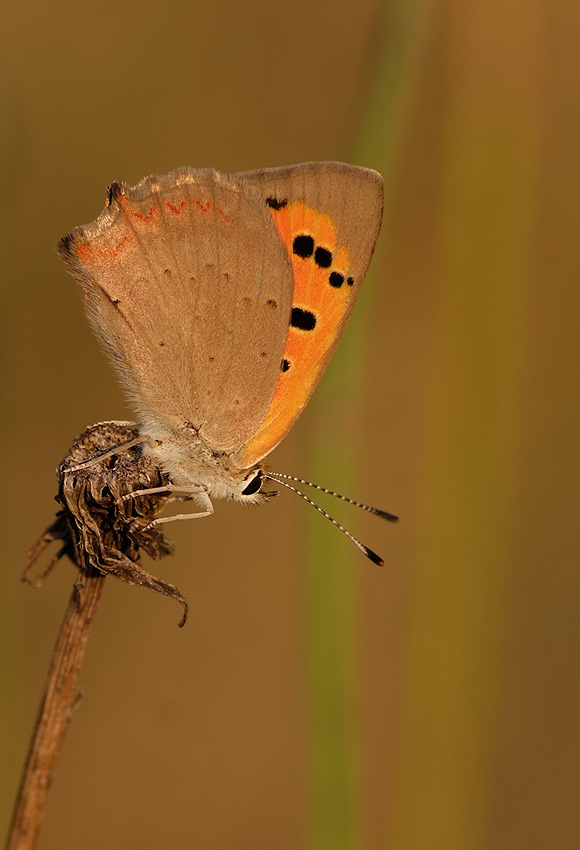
(279, 478)
(369, 508)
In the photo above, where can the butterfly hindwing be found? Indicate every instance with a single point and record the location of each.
(328, 217)
(189, 287)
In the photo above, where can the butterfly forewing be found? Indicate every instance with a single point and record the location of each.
(190, 288)
(328, 217)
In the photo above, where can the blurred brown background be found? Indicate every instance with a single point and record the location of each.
(315, 700)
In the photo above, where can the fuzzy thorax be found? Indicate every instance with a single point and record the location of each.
(192, 463)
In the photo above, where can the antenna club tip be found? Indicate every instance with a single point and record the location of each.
(386, 515)
(376, 559)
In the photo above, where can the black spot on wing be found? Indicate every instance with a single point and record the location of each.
(65, 245)
(323, 258)
(304, 320)
(303, 246)
(276, 204)
(114, 192)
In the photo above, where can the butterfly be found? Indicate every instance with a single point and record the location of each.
(220, 299)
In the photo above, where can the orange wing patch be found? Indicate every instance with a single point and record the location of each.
(322, 287)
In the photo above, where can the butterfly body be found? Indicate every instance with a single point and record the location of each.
(192, 463)
(220, 299)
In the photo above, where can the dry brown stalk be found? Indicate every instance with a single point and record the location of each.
(102, 534)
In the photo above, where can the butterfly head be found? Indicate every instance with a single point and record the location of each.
(245, 486)
(251, 488)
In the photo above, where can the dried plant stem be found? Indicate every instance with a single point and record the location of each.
(60, 697)
(102, 533)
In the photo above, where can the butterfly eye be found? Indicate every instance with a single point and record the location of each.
(253, 484)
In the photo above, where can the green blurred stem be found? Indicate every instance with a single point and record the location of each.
(330, 563)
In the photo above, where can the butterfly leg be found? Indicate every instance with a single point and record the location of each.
(207, 512)
(165, 488)
(110, 452)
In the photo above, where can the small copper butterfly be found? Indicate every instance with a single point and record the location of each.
(220, 299)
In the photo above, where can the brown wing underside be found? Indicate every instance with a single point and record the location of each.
(189, 287)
